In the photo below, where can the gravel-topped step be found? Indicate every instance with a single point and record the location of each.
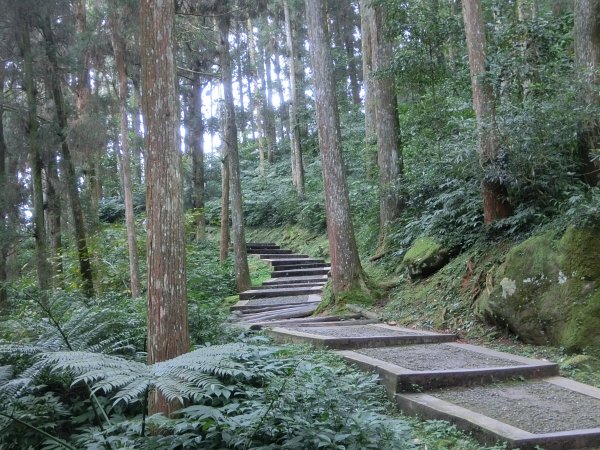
(301, 272)
(347, 319)
(310, 265)
(248, 305)
(280, 292)
(553, 414)
(307, 279)
(270, 251)
(356, 336)
(288, 261)
(289, 285)
(421, 367)
(290, 255)
(261, 245)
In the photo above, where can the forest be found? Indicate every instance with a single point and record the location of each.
(443, 157)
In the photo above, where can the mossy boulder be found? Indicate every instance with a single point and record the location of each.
(547, 290)
(425, 257)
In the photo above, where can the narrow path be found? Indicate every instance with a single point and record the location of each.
(495, 395)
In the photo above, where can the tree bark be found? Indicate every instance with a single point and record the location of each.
(495, 197)
(366, 19)
(269, 115)
(4, 239)
(118, 45)
(346, 269)
(197, 150)
(35, 154)
(257, 69)
(85, 267)
(240, 259)
(587, 58)
(168, 334)
(295, 144)
(54, 215)
(387, 128)
(224, 242)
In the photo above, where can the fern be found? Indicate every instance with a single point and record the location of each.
(192, 376)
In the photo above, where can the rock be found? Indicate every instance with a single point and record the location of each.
(425, 257)
(546, 291)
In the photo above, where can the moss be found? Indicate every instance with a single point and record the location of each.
(425, 257)
(546, 290)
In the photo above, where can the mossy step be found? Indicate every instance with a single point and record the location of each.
(280, 292)
(291, 285)
(553, 414)
(423, 367)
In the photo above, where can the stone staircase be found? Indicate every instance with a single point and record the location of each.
(496, 396)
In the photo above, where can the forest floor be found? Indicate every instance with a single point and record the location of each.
(497, 396)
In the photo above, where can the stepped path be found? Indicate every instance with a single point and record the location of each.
(497, 396)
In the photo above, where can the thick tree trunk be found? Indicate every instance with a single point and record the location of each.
(85, 267)
(35, 154)
(495, 198)
(168, 334)
(296, 148)
(346, 269)
(240, 259)
(366, 19)
(197, 150)
(587, 58)
(387, 129)
(118, 45)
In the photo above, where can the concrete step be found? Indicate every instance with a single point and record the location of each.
(418, 368)
(300, 266)
(280, 292)
(274, 302)
(269, 256)
(356, 336)
(554, 413)
(263, 245)
(287, 261)
(347, 319)
(269, 251)
(287, 280)
(283, 314)
(301, 272)
(290, 285)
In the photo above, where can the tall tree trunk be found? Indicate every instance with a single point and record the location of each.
(366, 19)
(495, 198)
(118, 45)
(256, 69)
(54, 215)
(346, 269)
(387, 129)
(137, 130)
(296, 147)
(85, 267)
(197, 150)
(168, 334)
(283, 106)
(33, 139)
(4, 239)
(224, 243)
(240, 259)
(269, 116)
(240, 78)
(587, 58)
